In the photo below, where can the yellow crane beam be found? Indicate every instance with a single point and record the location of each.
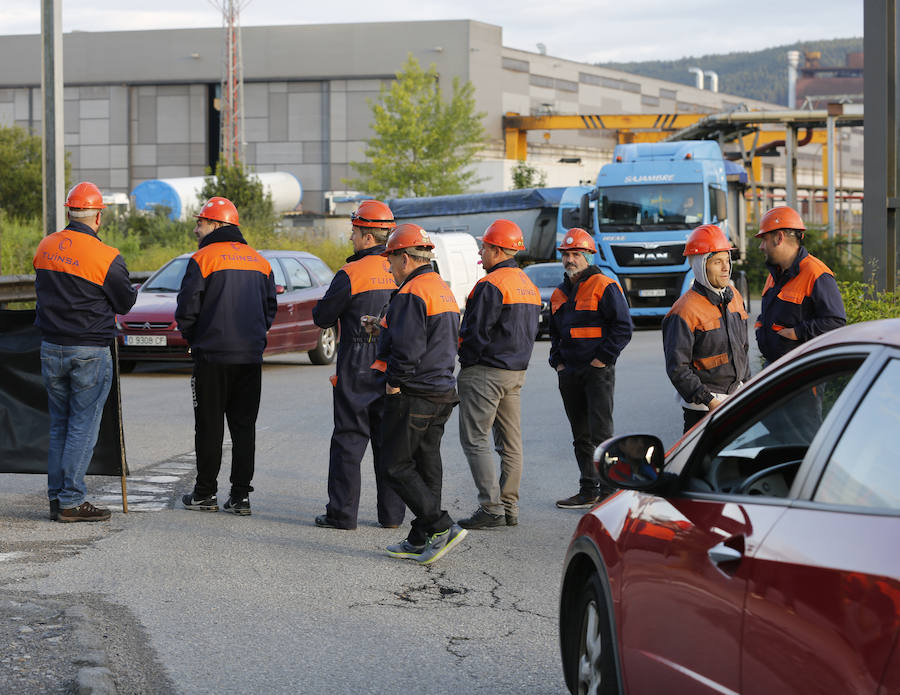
(516, 127)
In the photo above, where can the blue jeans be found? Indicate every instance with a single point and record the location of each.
(77, 378)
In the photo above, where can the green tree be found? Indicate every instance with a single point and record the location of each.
(526, 176)
(422, 146)
(243, 189)
(20, 172)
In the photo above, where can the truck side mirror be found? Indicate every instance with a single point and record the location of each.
(721, 205)
(584, 213)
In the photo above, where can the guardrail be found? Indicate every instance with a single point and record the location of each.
(20, 288)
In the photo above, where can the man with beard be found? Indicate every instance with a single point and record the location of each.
(589, 327)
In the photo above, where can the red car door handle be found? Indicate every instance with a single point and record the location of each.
(721, 553)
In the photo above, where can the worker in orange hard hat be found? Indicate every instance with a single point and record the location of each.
(495, 343)
(417, 353)
(359, 293)
(225, 308)
(800, 299)
(81, 284)
(705, 331)
(590, 325)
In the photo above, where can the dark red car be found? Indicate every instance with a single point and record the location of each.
(148, 332)
(761, 554)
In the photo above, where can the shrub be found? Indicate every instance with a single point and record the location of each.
(864, 303)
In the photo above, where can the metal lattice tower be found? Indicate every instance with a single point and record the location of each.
(231, 111)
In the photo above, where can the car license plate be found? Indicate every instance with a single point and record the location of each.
(144, 340)
(652, 293)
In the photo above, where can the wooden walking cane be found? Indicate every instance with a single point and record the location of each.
(121, 428)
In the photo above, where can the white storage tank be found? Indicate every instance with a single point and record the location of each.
(180, 195)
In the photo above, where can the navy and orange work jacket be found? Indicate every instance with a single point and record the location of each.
(705, 343)
(418, 344)
(804, 297)
(227, 300)
(362, 287)
(501, 319)
(589, 319)
(81, 284)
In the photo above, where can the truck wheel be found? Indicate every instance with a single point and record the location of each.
(326, 348)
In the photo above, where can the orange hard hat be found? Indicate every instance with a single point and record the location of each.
(707, 238)
(373, 213)
(782, 217)
(405, 236)
(86, 196)
(219, 209)
(504, 234)
(577, 239)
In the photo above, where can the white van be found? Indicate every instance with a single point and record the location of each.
(457, 261)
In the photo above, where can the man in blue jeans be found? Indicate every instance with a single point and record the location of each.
(81, 284)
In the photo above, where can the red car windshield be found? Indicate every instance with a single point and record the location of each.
(168, 278)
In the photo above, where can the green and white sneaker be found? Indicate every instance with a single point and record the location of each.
(405, 549)
(440, 543)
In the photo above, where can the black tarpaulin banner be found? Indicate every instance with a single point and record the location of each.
(24, 417)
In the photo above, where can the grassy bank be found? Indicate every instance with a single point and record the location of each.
(147, 242)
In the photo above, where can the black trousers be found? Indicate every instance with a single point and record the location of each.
(587, 395)
(232, 391)
(692, 417)
(411, 432)
(358, 407)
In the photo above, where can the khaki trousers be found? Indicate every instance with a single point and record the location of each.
(489, 401)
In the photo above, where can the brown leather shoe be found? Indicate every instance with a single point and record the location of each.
(84, 512)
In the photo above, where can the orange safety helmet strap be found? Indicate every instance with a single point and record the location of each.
(220, 210)
(85, 196)
(577, 239)
(781, 217)
(373, 213)
(707, 238)
(406, 236)
(504, 234)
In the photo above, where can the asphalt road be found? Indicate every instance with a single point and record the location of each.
(272, 604)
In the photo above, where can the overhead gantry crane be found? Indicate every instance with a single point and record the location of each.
(755, 132)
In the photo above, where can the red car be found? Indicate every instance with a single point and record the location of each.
(761, 554)
(148, 332)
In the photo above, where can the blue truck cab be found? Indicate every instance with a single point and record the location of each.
(641, 210)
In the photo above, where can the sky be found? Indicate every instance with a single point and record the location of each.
(589, 31)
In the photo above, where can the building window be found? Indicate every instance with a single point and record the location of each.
(668, 94)
(648, 100)
(566, 86)
(541, 81)
(515, 65)
(631, 87)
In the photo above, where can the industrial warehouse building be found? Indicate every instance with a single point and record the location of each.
(142, 105)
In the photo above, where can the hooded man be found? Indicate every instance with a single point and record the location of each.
(705, 331)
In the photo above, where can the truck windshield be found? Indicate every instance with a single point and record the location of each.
(635, 208)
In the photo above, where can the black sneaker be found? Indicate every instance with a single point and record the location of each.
(583, 500)
(512, 518)
(405, 549)
(240, 507)
(324, 521)
(54, 510)
(438, 544)
(481, 518)
(207, 504)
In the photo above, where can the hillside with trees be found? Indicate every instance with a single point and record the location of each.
(754, 74)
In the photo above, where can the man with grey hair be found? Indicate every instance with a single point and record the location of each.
(81, 284)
